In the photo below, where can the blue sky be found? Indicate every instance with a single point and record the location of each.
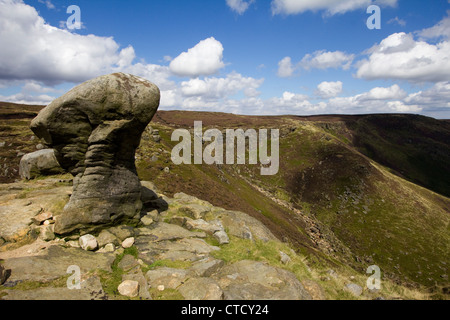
(248, 57)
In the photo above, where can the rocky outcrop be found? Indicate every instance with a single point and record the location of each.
(25, 206)
(95, 129)
(188, 245)
(42, 162)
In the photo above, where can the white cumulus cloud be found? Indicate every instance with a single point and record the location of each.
(400, 56)
(239, 6)
(31, 49)
(327, 59)
(285, 68)
(442, 29)
(331, 7)
(436, 98)
(328, 90)
(204, 59)
(217, 88)
(379, 93)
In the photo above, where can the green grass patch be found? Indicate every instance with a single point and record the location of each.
(166, 294)
(111, 280)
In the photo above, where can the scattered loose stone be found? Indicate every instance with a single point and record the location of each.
(42, 217)
(333, 273)
(107, 249)
(88, 242)
(106, 237)
(147, 220)
(284, 258)
(129, 288)
(128, 243)
(157, 138)
(73, 244)
(355, 289)
(154, 215)
(222, 237)
(48, 222)
(47, 233)
(122, 232)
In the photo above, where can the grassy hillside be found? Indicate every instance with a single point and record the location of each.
(353, 190)
(328, 195)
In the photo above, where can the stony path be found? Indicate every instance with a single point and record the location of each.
(169, 254)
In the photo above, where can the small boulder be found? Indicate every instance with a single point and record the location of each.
(354, 289)
(42, 217)
(122, 232)
(88, 242)
(284, 258)
(129, 288)
(222, 237)
(154, 215)
(157, 138)
(47, 233)
(106, 237)
(42, 162)
(128, 243)
(146, 220)
(107, 249)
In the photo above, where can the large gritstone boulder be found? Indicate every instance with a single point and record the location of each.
(95, 129)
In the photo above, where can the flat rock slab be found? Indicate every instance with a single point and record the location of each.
(54, 264)
(170, 278)
(191, 249)
(21, 202)
(91, 289)
(201, 289)
(206, 267)
(164, 231)
(252, 280)
(240, 224)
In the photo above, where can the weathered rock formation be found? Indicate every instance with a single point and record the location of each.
(95, 129)
(178, 236)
